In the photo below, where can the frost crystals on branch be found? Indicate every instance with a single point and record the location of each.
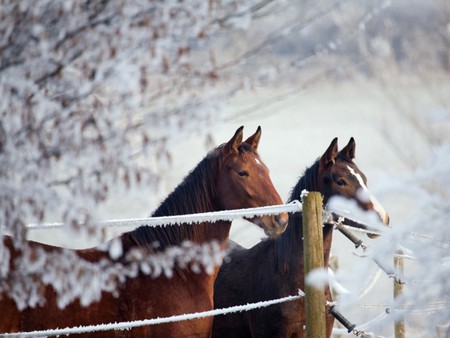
(92, 94)
(73, 277)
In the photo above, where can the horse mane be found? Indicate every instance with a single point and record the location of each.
(195, 194)
(286, 243)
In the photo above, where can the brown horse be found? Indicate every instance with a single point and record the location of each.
(231, 176)
(274, 267)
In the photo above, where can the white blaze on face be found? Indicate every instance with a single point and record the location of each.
(369, 197)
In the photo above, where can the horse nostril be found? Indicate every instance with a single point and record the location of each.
(282, 219)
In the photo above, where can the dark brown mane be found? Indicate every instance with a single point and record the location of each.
(284, 244)
(194, 195)
(308, 181)
(197, 193)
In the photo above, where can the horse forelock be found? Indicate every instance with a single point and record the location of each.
(245, 147)
(195, 194)
(342, 157)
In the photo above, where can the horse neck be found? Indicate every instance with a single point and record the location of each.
(289, 245)
(196, 194)
(327, 240)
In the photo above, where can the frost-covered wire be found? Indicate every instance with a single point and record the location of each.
(226, 215)
(153, 321)
(360, 330)
(364, 231)
(369, 252)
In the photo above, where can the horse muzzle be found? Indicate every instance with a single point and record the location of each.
(277, 224)
(273, 225)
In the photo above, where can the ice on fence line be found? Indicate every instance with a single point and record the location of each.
(227, 215)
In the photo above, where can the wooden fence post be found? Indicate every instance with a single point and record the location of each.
(313, 259)
(398, 289)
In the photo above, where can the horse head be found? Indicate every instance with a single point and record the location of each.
(340, 176)
(244, 181)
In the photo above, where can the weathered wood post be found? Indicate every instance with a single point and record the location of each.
(398, 289)
(313, 259)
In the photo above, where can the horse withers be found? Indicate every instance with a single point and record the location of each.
(231, 176)
(274, 268)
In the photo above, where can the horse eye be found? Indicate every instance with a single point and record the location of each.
(341, 183)
(242, 173)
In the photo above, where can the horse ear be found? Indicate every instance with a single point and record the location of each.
(232, 145)
(349, 150)
(253, 140)
(329, 157)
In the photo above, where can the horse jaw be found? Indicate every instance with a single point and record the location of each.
(273, 225)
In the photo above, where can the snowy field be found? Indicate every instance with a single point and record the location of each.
(298, 129)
